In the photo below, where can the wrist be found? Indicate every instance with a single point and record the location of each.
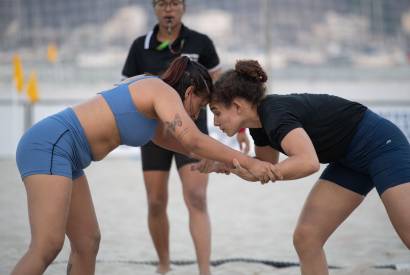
(247, 162)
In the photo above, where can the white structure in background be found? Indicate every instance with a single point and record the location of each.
(341, 28)
(121, 29)
(215, 23)
(125, 25)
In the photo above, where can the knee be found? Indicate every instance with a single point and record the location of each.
(47, 249)
(157, 207)
(197, 200)
(407, 243)
(307, 239)
(406, 239)
(87, 245)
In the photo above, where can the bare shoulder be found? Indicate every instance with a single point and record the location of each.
(152, 87)
(147, 94)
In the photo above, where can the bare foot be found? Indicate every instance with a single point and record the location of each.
(163, 269)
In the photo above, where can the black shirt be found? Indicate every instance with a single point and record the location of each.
(330, 122)
(144, 57)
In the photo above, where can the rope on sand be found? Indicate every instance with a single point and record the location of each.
(216, 263)
(219, 262)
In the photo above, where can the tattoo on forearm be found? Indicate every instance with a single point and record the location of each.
(69, 267)
(171, 126)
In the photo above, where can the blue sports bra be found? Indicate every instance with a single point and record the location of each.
(134, 128)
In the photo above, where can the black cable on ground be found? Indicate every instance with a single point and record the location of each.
(216, 263)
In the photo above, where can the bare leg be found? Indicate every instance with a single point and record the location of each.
(157, 193)
(326, 207)
(397, 202)
(194, 187)
(82, 230)
(48, 198)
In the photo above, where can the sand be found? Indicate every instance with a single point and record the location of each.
(248, 221)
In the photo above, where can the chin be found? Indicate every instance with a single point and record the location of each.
(230, 134)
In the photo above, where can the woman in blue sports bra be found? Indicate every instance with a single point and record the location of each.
(52, 154)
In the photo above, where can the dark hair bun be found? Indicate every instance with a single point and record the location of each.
(251, 69)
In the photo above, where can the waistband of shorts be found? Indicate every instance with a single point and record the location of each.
(368, 123)
(365, 128)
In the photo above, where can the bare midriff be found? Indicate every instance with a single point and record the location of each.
(99, 126)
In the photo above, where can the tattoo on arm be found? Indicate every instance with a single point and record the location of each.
(171, 126)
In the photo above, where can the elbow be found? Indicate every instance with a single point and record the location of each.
(193, 146)
(313, 166)
(191, 143)
(308, 166)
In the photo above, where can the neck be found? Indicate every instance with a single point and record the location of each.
(252, 118)
(165, 35)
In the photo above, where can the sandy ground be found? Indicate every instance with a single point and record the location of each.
(248, 221)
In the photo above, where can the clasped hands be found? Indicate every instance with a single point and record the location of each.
(258, 170)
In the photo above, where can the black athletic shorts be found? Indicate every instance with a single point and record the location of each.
(155, 158)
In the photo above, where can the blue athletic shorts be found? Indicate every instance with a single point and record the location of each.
(378, 156)
(55, 145)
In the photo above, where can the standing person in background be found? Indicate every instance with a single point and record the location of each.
(152, 53)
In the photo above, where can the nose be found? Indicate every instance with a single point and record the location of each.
(168, 7)
(216, 123)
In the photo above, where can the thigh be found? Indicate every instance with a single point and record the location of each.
(183, 161)
(193, 182)
(82, 221)
(391, 167)
(397, 203)
(348, 178)
(48, 198)
(156, 185)
(155, 158)
(326, 207)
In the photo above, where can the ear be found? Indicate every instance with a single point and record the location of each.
(189, 91)
(237, 104)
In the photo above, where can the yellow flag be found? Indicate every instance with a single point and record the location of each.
(18, 74)
(32, 89)
(52, 53)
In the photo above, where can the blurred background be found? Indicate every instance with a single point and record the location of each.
(55, 53)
